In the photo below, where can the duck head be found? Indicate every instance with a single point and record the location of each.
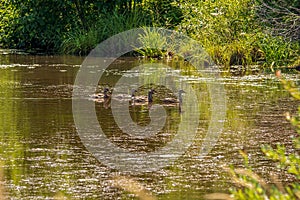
(133, 91)
(105, 93)
(180, 92)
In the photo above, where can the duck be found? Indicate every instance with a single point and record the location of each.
(150, 95)
(104, 98)
(137, 99)
(174, 101)
(124, 97)
(150, 98)
(104, 95)
(142, 100)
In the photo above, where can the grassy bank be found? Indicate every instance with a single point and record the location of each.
(233, 32)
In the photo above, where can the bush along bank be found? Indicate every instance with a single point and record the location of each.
(233, 32)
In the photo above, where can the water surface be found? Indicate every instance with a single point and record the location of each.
(43, 156)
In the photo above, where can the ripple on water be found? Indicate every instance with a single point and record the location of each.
(43, 154)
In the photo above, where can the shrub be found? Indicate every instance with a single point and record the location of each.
(277, 51)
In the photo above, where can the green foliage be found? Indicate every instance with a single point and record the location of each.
(121, 18)
(225, 28)
(222, 21)
(6, 13)
(164, 13)
(79, 42)
(45, 24)
(233, 32)
(77, 26)
(255, 187)
(149, 40)
(35, 24)
(277, 51)
(290, 162)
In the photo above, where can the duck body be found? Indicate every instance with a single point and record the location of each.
(142, 100)
(104, 94)
(170, 100)
(132, 98)
(174, 101)
(125, 97)
(150, 95)
(101, 97)
(139, 99)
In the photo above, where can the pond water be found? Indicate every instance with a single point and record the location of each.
(43, 155)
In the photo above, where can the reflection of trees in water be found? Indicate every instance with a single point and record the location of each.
(39, 142)
(140, 115)
(13, 127)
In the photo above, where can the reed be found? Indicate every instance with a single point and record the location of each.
(81, 42)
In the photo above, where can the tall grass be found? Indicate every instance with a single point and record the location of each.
(80, 41)
(153, 43)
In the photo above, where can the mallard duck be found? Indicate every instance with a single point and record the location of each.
(142, 99)
(137, 100)
(174, 101)
(150, 95)
(124, 97)
(104, 98)
(103, 95)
